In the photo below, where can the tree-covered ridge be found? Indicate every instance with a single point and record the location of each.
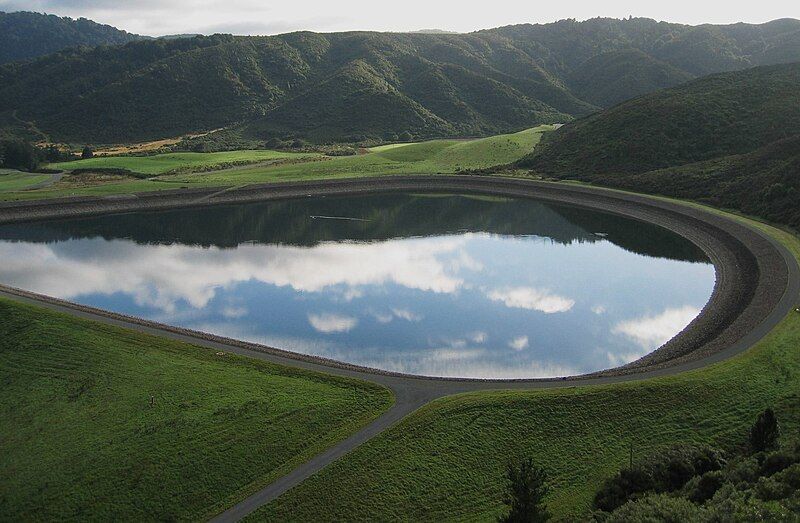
(346, 86)
(732, 140)
(25, 35)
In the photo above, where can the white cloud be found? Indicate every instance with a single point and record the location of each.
(532, 299)
(519, 343)
(464, 363)
(650, 332)
(383, 318)
(478, 337)
(332, 323)
(405, 314)
(233, 311)
(598, 309)
(352, 294)
(165, 274)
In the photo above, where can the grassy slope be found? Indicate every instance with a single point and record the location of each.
(437, 156)
(78, 436)
(446, 461)
(17, 181)
(162, 163)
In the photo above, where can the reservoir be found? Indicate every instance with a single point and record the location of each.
(429, 284)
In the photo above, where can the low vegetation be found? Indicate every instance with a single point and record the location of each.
(703, 484)
(758, 481)
(447, 460)
(106, 423)
(178, 162)
(231, 168)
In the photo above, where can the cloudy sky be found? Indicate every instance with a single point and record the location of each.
(160, 17)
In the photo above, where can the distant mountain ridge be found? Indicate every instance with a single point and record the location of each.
(25, 35)
(357, 85)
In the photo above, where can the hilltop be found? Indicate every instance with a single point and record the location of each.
(25, 35)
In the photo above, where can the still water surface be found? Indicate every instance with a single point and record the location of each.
(439, 285)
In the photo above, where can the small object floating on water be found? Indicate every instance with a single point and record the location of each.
(600, 234)
(339, 218)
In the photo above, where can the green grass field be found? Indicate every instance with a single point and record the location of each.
(18, 181)
(79, 438)
(437, 156)
(162, 163)
(445, 462)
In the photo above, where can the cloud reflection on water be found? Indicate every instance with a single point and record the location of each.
(468, 304)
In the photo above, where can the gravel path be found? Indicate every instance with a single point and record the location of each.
(758, 283)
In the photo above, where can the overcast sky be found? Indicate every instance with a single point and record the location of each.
(160, 17)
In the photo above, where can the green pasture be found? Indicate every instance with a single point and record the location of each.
(109, 424)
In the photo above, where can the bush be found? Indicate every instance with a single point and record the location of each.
(657, 507)
(666, 471)
(790, 476)
(706, 486)
(616, 491)
(274, 143)
(87, 153)
(769, 489)
(776, 462)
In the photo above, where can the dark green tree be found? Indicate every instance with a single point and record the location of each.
(19, 155)
(524, 493)
(87, 152)
(765, 432)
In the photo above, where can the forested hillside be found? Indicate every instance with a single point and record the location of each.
(730, 139)
(25, 35)
(351, 86)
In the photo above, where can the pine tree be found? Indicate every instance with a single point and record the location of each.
(525, 492)
(765, 432)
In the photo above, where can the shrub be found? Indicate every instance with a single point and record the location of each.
(769, 489)
(776, 462)
(666, 471)
(656, 507)
(706, 486)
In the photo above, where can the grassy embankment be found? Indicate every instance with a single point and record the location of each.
(79, 437)
(437, 156)
(446, 461)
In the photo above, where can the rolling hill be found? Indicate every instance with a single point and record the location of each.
(25, 35)
(356, 85)
(731, 139)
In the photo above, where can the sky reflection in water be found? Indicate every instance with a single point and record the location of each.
(433, 285)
